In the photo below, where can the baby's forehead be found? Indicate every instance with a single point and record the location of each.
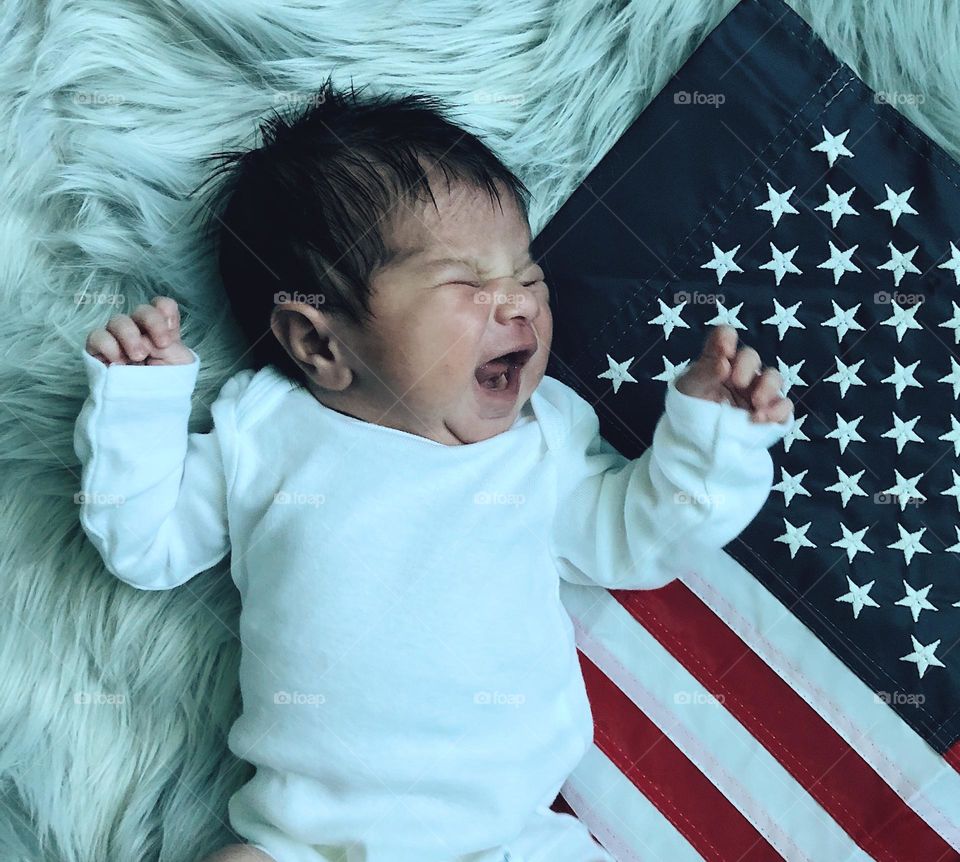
(466, 228)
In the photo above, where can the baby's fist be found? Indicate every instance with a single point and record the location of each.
(148, 336)
(727, 375)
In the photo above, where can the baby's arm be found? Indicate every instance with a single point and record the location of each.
(706, 475)
(153, 496)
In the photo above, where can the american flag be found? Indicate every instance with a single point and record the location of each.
(796, 696)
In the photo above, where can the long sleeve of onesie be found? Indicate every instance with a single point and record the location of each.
(152, 496)
(703, 479)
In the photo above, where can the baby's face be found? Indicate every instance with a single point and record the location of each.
(462, 290)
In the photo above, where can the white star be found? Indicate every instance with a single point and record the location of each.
(953, 263)
(902, 318)
(778, 204)
(795, 433)
(617, 372)
(923, 656)
(902, 377)
(846, 376)
(851, 542)
(953, 490)
(953, 435)
(838, 205)
(845, 432)
(727, 317)
(839, 261)
(858, 597)
(795, 537)
(671, 371)
(953, 323)
(670, 318)
(956, 548)
(905, 490)
(847, 486)
(953, 377)
(842, 320)
(781, 262)
(722, 262)
(832, 145)
(790, 376)
(900, 262)
(791, 485)
(909, 543)
(896, 204)
(903, 432)
(784, 318)
(916, 600)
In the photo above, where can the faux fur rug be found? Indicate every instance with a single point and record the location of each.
(114, 703)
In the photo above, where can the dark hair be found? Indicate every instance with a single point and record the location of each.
(305, 211)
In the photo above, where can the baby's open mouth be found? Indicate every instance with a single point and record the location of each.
(502, 374)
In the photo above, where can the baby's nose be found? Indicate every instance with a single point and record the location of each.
(513, 299)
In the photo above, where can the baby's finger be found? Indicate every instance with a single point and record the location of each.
(779, 411)
(709, 372)
(169, 309)
(128, 334)
(102, 345)
(765, 390)
(746, 366)
(720, 341)
(152, 321)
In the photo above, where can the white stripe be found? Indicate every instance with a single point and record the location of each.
(893, 749)
(760, 788)
(632, 828)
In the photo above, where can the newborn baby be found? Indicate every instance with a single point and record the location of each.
(401, 494)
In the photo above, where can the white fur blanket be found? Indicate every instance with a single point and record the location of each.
(115, 704)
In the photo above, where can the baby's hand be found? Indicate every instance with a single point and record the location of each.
(149, 336)
(727, 375)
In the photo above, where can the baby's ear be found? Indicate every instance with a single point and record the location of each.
(308, 337)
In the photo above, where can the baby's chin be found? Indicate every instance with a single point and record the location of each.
(475, 432)
(486, 413)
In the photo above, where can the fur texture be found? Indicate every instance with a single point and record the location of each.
(114, 703)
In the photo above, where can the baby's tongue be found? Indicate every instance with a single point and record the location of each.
(492, 370)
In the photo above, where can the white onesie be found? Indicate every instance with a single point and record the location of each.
(410, 682)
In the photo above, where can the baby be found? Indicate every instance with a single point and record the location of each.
(401, 488)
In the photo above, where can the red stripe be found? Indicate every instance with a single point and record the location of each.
(844, 784)
(685, 797)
